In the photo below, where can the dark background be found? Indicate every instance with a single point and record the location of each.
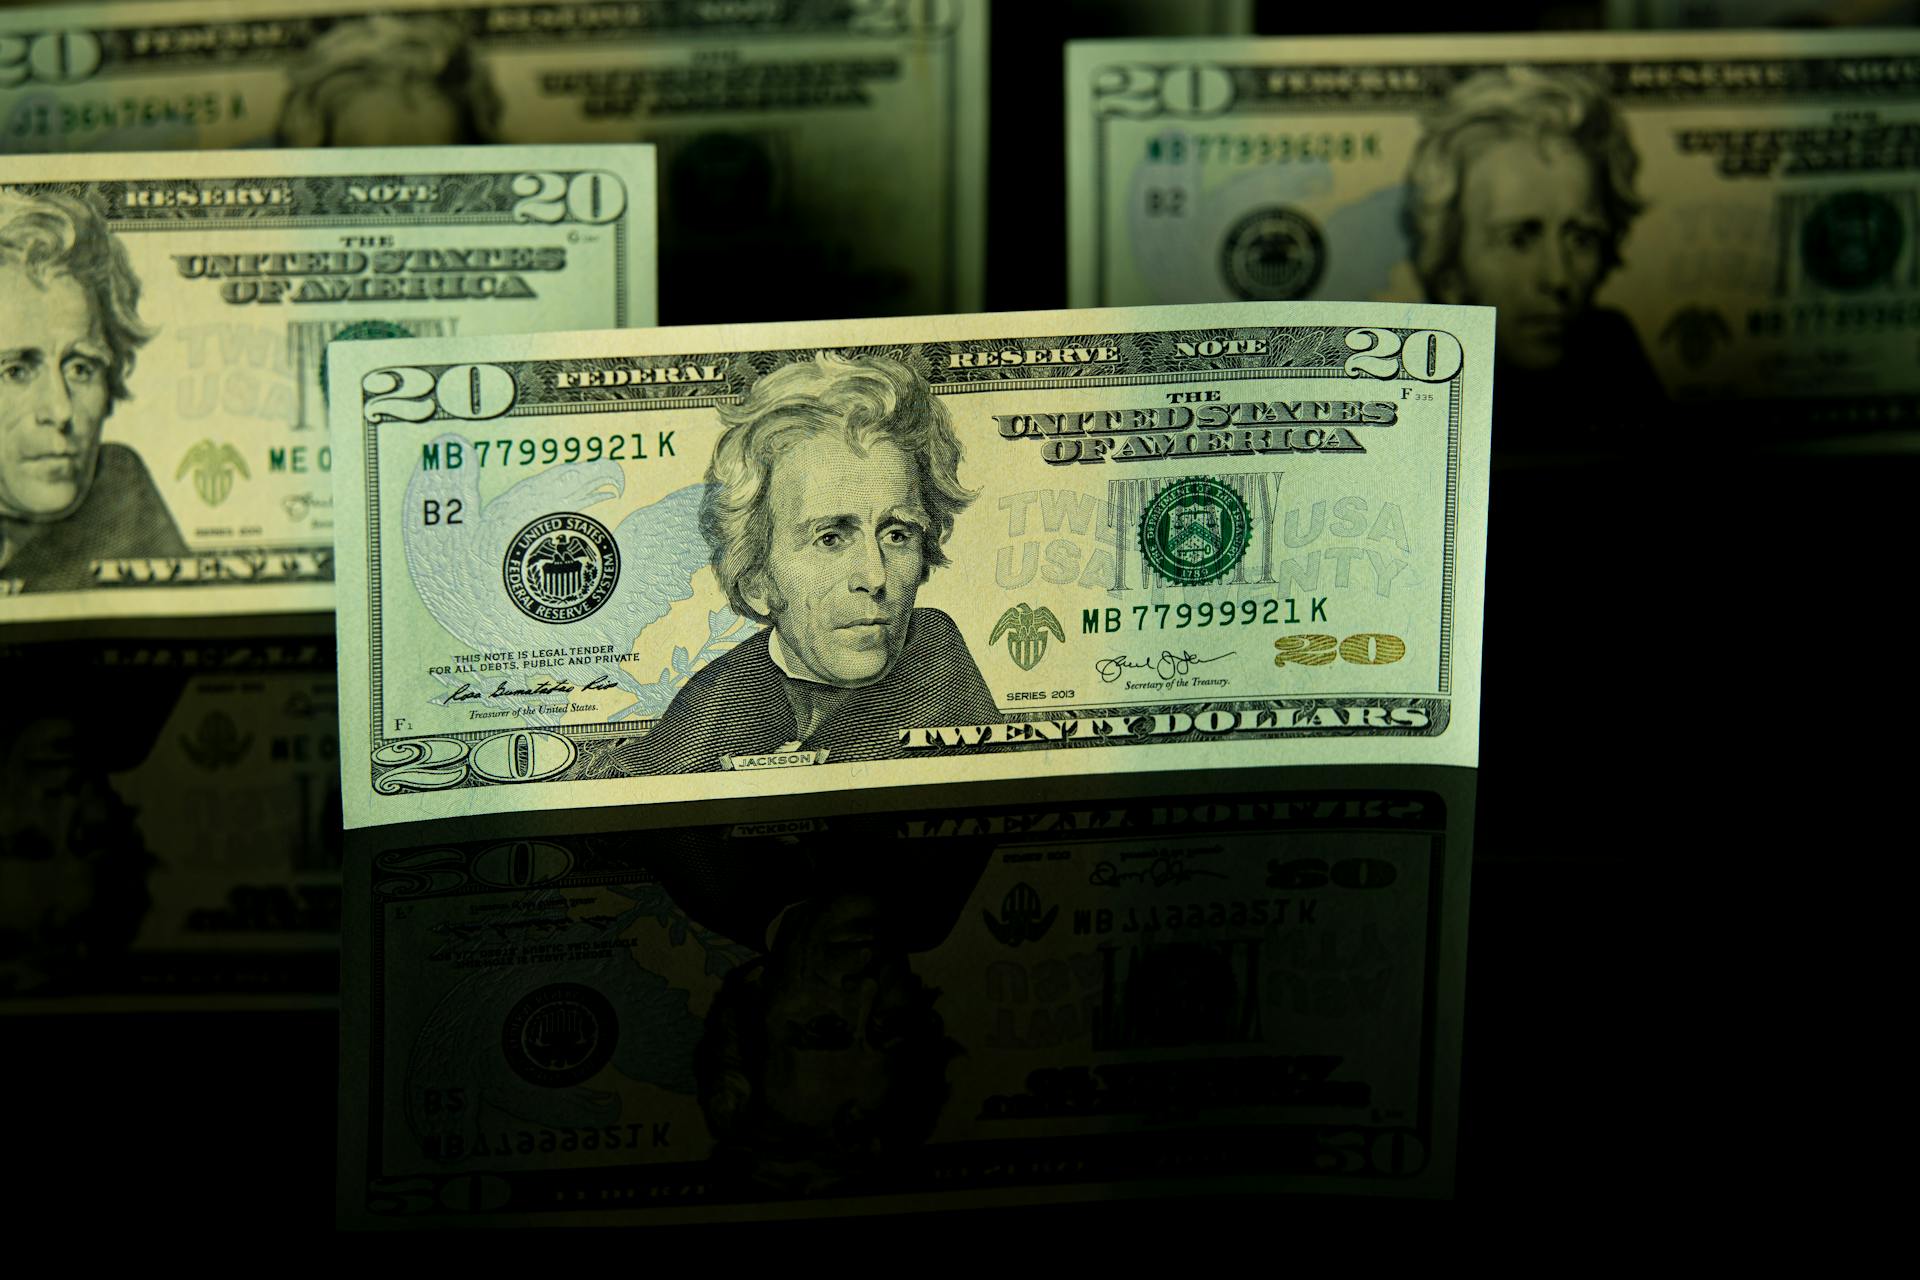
(1688, 582)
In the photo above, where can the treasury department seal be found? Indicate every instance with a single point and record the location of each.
(1195, 530)
(1273, 255)
(560, 1035)
(360, 331)
(561, 568)
(1852, 240)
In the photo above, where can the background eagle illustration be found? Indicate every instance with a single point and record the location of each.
(456, 569)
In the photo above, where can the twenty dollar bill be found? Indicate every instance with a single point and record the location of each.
(1686, 218)
(685, 564)
(164, 327)
(815, 158)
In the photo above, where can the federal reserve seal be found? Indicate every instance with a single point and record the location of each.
(561, 568)
(1194, 531)
(560, 1035)
(1272, 255)
(1852, 239)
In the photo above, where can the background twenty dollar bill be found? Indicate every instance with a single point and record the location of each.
(1724, 218)
(169, 825)
(163, 440)
(1059, 542)
(1760, 13)
(815, 159)
(1247, 991)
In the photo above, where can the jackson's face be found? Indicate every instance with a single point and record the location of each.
(73, 866)
(847, 557)
(54, 362)
(1531, 244)
(837, 999)
(57, 818)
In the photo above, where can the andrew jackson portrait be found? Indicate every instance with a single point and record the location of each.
(831, 492)
(1520, 193)
(69, 329)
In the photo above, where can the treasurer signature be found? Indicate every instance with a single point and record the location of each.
(544, 688)
(1167, 666)
(1168, 868)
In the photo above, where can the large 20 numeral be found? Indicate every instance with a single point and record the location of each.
(53, 57)
(593, 197)
(1141, 91)
(1428, 354)
(474, 392)
(1368, 649)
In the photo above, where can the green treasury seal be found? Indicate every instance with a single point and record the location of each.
(1195, 530)
(1852, 240)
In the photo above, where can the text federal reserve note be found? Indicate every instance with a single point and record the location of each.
(1240, 992)
(169, 825)
(164, 329)
(816, 159)
(1659, 219)
(681, 564)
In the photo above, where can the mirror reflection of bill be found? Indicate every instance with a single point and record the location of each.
(169, 826)
(74, 864)
(999, 1004)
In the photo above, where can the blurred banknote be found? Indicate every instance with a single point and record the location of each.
(164, 324)
(169, 826)
(963, 1007)
(1761, 13)
(686, 564)
(816, 159)
(1161, 17)
(1659, 219)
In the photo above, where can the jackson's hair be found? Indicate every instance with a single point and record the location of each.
(50, 234)
(414, 53)
(868, 398)
(1497, 106)
(754, 1142)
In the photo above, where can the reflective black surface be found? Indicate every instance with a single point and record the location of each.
(1601, 795)
(1656, 625)
(1017, 1000)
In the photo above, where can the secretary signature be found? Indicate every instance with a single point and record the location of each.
(1168, 868)
(1168, 665)
(544, 688)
